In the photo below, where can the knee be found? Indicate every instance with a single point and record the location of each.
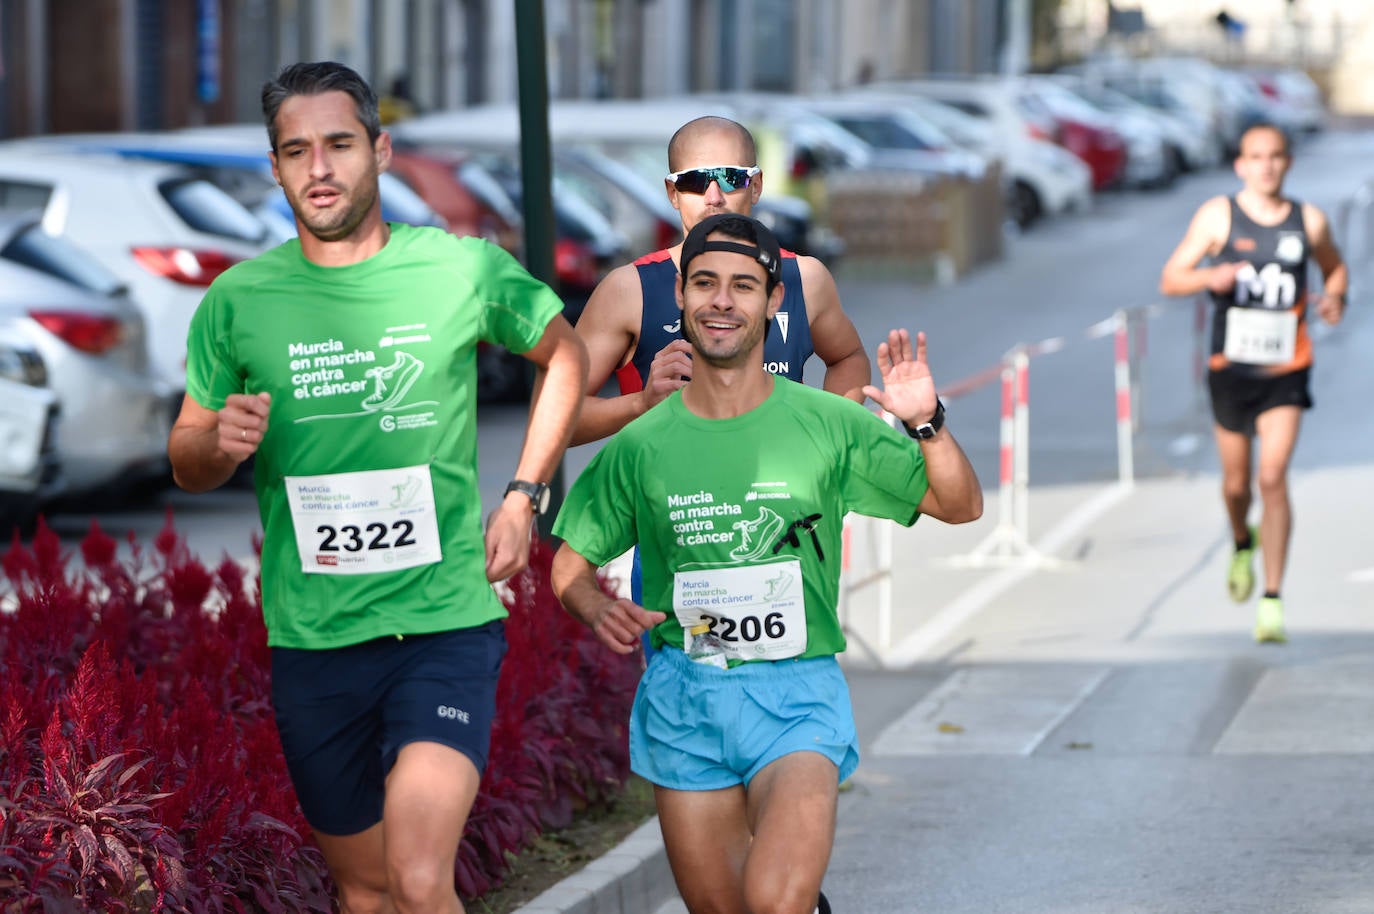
(1273, 484)
(767, 897)
(417, 887)
(357, 898)
(1235, 487)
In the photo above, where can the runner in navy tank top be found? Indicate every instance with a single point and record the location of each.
(630, 323)
(1259, 243)
(786, 347)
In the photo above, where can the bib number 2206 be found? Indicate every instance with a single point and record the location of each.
(748, 629)
(757, 611)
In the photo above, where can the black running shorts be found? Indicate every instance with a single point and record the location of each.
(344, 714)
(1238, 399)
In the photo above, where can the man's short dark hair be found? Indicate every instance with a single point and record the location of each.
(316, 78)
(1265, 125)
(749, 237)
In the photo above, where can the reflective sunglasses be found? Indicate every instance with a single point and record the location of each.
(729, 177)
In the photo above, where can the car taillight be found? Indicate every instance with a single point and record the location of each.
(666, 234)
(90, 333)
(574, 264)
(184, 265)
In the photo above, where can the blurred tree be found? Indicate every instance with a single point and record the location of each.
(1046, 50)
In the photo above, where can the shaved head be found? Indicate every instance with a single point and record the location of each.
(709, 128)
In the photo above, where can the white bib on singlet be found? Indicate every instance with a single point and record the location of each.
(363, 523)
(758, 611)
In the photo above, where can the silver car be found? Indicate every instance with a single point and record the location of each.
(30, 472)
(116, 413)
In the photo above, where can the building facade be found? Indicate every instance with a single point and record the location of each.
(79, 65)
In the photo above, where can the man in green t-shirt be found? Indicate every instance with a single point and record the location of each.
(735, 490)
(344, 363)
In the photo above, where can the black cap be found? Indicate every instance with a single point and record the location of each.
(749, 237)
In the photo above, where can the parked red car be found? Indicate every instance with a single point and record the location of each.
(436, 178)
(1087, 134)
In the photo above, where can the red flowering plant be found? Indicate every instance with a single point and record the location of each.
(140, 768)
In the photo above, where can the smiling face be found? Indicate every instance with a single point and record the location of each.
(1263, 160)
(702, 149)
(327, 166)
(726, 306)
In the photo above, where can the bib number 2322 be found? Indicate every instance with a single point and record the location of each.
(362, 523)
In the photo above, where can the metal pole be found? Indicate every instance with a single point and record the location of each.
(536, 179)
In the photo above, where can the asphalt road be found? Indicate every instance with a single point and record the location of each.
(1102, 737)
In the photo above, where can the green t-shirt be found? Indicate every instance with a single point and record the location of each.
(700, 495)
(371, 367)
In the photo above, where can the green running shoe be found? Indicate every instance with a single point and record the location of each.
(1240, 579)
(1269, 621)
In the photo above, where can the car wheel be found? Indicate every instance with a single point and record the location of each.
(1180, 160)
(1024, 204)
(502, 376)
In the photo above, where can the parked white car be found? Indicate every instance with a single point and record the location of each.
(165, 233)
(1045, 179)
(1296, 94)
(901, 138)
(77, 316)
(1190, 147)
(30, 471)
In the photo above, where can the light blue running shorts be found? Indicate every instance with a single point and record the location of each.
(698, 727)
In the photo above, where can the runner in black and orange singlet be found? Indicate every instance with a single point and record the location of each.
(1259, 243)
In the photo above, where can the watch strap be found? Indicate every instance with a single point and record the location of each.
(927, 430)
(537, 492)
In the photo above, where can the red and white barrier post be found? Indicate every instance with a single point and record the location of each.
(1009, 542)
(1021, 364)
(1006, 447)
(1125, 448)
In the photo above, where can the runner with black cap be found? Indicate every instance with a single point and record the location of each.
(735, 488)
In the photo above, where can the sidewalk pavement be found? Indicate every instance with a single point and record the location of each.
(1142, 577)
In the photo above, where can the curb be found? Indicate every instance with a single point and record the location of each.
(631, 878)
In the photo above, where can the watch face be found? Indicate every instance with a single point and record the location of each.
(541, 501)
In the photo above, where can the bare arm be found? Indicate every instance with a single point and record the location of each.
(1335, 276)
(617, 623)
(1182, 274)
(833, 336)
(206, 446)
(609, 326)
(908, 392)
(562, 360)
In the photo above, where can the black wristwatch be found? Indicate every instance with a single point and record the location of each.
(538, 493)
(927, 430)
